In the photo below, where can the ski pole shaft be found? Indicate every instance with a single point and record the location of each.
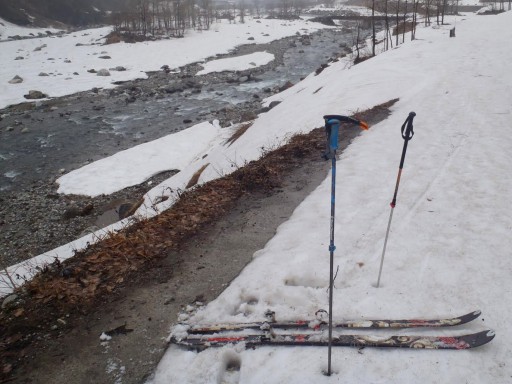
(407, 134)
(332, 125)
(332, 247)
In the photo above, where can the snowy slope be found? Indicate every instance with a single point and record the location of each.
(9, 29)
(450, 242)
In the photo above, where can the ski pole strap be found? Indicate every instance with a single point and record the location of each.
(409, 131)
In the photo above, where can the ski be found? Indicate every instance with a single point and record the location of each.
(471, 340)
(319, 324)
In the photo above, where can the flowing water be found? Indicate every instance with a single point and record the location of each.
(43, 143)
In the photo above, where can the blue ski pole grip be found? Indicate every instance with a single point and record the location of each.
(332, 127)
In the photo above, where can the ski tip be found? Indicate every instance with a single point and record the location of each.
(480, 338)
(477, 313)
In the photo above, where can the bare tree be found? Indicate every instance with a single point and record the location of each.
(242, 11)
(257, 7)
(358, 58)
(405, 22)
(415, 6)
(373, 28)
(143, 11)
(427, 4)
(397, 20)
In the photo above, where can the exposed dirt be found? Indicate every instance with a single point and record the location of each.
(51, 333)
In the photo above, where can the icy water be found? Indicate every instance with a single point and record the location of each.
(41, 144)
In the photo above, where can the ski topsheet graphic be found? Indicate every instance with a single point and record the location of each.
(319, 324)
(466, 341)
(311, 333)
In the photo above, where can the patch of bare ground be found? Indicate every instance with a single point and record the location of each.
(145, 274)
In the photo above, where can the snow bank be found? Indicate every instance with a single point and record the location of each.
(238, 63)
(137, 164)
(452, 228)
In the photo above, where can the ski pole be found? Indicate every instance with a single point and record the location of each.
(407, 134)
(332, 125)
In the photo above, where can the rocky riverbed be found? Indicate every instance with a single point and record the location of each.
(41, 141)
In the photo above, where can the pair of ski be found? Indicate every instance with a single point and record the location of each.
(310, 334)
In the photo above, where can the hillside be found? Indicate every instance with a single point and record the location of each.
(52, 13)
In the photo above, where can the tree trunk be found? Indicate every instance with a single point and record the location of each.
(405, 22)
(397, 20)
(373, 28)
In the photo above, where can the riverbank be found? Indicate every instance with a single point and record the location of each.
(42, 142)
(182, 269)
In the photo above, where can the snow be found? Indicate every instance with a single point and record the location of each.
(67, 63)
(447, 252)
(238, 63)
(450, 240)
(125, 168)
(9, 29)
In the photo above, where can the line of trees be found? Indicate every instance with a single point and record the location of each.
(401, 16)
(174, 17)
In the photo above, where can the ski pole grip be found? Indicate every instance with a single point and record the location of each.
(407, 127)
(332, 126)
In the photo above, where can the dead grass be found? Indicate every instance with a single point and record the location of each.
(239, 132)
(195, 177)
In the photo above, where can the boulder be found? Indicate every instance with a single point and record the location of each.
(33, 94)
(36, 49)
(11, 299)
(16, 80)
(103, 72)
(274, 104)
(286, 85)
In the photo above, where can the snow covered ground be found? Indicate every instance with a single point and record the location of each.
(9, 29)
(238, 63)
(449, 246)
(67, 59)
(450, 241)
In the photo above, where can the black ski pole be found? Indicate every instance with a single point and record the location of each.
(332, 125)
(407, 134)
